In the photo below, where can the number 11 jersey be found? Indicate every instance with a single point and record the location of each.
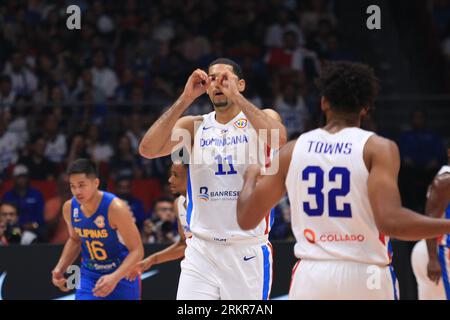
(220, 156)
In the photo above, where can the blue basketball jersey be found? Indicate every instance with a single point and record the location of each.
(102, 249)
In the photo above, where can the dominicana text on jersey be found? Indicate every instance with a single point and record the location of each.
(219, 158)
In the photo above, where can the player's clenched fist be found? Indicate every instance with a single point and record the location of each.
(58, 280)
(196, 85)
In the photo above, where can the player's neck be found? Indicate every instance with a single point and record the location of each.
(226, 114)
(335, 123)
(90, 207)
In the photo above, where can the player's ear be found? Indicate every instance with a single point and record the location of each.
(97, 182)
(364, 112)
(324, 104)
(241, 85)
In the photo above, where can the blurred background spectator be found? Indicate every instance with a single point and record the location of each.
(164, 220)
(92, 93)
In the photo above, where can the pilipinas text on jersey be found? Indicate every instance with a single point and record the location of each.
(102, 250)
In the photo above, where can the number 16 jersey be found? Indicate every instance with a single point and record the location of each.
(332, 218)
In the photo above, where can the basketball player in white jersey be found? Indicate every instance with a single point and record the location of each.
(221, 260)
(342, 186)
(177, 185)
(430, 259)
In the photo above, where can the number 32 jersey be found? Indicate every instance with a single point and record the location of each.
(332, 218)
(219, 158)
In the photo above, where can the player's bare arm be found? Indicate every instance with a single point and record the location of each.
(121, 218)
(259, 195)
(391, 218)
(173, 252)
(71, 251)
(437, 202)
(157, 141)
(267, 119)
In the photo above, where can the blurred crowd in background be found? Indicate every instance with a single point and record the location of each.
(94, 92)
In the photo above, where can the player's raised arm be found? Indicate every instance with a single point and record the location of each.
(437, 202)
(390, 217)
(259, 195)
(70, 252)
(157, 141)
(121, 218)
(268, 119)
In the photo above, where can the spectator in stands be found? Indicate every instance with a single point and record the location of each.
(28, 200)
(9, 147)
(24, 81)
(165, 220)
(40, 168)
(123, 191)
(422, 153)
(77, 148)
(104, 77)
(292, 109)
(14, 233)
(290, 62)
(54, 220)
(283, 24)
(56, 147)
(136, 131)
(3, 240)
(148, 233)
(125, 162)
(97, 149)
(7, 95)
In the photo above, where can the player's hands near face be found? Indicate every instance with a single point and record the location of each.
(228, 84)
(196, 85)
(434, 270)
(58, 280)
(105, 285)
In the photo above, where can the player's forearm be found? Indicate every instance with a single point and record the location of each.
(260, 120)
(70, 253)
(160, 132)
(133, 257)
(411, 226)
(432, 249)
(247, 208)
(174, 252)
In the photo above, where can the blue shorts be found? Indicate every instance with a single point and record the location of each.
(125, 290)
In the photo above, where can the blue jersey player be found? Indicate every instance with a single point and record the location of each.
(101, 226)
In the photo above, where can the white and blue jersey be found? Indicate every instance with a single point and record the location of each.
(220, 156)
(222, 261)
(102, 251)
(332, 218)
(444, 246)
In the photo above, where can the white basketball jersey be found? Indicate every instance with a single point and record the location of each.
(445, 239)
(182, 216)
(219, 158)
(330, 210)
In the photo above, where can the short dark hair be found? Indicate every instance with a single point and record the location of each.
(11, 204)
(236, 67)
(161, 199)
(85, 166)
(348, 86)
